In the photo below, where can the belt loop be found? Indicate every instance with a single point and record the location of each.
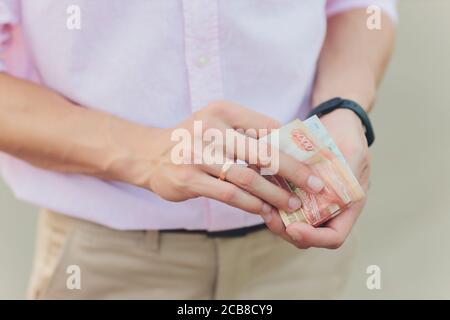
(152, 239)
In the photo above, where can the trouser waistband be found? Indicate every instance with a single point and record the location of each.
(223, 234)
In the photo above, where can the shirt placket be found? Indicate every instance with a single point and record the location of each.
(201, 27)
(201, 35)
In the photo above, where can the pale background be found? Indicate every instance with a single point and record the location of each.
(404, 229)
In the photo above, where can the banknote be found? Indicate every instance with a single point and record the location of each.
(310, 143)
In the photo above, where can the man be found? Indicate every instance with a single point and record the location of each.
(86, 134)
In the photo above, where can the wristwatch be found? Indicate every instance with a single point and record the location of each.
(339, 103)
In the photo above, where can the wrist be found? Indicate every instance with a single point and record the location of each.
(133, 152)
(339, 103)
(348, 133)
(364, 97)
(347, 118)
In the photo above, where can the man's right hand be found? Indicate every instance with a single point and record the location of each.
(243, 187)
(98, 144)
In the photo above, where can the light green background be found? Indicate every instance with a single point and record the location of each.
(405, 228)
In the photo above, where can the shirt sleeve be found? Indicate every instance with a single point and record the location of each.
(387, 6)
(9, 16)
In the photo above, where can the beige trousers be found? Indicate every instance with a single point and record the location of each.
(152, 265)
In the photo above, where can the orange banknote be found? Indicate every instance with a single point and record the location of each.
(310, 143)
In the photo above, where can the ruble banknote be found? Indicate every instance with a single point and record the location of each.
(310, 143)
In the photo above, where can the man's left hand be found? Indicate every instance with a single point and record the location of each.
(347, 132)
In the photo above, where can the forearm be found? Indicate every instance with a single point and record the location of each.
(48, 131)
(351, 65)
(353, 59)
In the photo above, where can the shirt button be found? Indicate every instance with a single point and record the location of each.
(201, 61)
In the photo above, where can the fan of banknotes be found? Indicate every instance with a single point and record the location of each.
(310, 143)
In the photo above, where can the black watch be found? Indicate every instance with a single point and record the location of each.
(339, 103)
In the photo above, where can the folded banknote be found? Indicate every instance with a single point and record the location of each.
(310, 143)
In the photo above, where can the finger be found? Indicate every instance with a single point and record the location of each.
(243, 118)
(234, 145)
(299, 173)
(239, 146)
(251, 181)
(275, 225)
(303, 235)
(345, 220)
(306, 236)
(230, 194)
(332, 235)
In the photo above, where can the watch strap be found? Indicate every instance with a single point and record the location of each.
(339, 103)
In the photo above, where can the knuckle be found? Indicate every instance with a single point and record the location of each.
(301, 174)
(208, 119)
(208, 123)
(276, 230)
(228, 194)
(272, 124)
(302, 245)
(185, 176)
(200, 114)
(257, 207)
(203, 116)
(217, 108)
(336, 244)
(247, 178)
(211, 107)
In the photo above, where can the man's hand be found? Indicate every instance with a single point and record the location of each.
(347, 131)
(243, 188)
(351, 65)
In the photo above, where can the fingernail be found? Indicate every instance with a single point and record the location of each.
(267, 216)
(315, 183)
(294, 203)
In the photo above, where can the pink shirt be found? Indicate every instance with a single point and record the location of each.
(155, 62)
